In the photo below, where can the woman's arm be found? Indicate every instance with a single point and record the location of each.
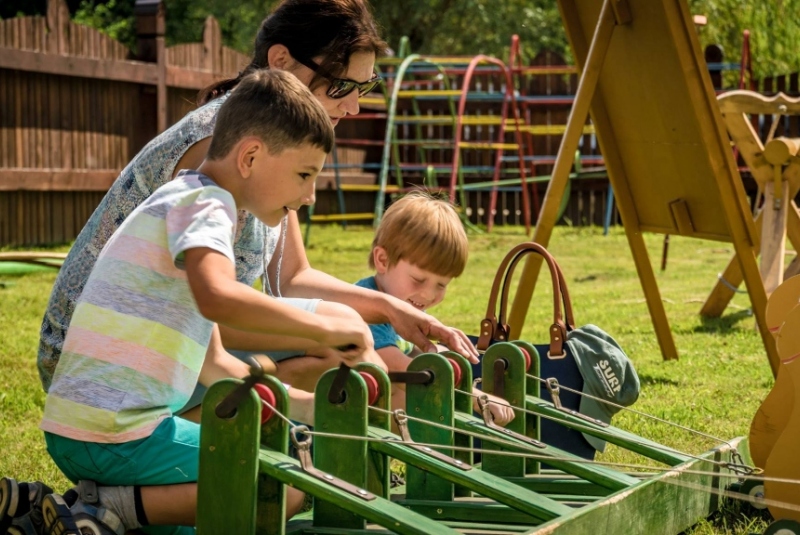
(299, 279)
(193, 156)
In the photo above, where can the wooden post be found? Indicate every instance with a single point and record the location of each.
(150, 28)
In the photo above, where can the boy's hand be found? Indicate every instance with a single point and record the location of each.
(501, 411)
(346, 336)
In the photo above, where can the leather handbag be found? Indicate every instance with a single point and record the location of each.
(555, 356)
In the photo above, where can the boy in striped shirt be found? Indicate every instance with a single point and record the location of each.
(144, 331)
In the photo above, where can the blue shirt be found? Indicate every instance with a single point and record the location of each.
(383, 333)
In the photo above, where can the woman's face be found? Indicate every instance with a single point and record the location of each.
(361, 68)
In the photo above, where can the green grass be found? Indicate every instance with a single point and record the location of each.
(715, 387)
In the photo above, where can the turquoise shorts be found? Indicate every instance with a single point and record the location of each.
(169, 456)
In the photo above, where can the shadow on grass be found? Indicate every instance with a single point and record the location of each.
(724, 325)
(649, 380)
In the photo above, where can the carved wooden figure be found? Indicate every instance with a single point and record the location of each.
(770, 419)
(783, 497)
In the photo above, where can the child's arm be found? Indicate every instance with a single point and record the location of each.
(219, 364)
(300, 279)
(222, 299)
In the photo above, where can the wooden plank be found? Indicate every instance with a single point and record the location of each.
(228, 463)
(123, 71)
(56, 179)
(483, 483)
(380, 511)
(555, 457)
(183, 78)
(661, 505)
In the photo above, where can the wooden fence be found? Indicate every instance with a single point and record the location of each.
(75, 107)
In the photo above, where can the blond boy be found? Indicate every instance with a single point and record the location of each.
(419, 247)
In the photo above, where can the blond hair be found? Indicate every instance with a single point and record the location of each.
(425, 231)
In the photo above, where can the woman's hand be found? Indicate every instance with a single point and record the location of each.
(420, 328)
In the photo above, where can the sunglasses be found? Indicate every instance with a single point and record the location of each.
(341, 87)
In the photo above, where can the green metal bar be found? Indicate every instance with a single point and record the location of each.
(391, 113)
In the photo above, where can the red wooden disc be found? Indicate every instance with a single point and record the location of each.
(267, 395)
(527, 358)
(456, 372)
(372, 387)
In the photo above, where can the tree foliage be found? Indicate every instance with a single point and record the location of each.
(458, 26)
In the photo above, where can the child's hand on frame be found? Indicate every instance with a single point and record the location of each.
(501, 411)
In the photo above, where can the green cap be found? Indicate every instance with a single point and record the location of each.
(607, 374)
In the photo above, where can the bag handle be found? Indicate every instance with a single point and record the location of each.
(491, 328)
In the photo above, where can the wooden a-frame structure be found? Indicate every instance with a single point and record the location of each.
(665, 146)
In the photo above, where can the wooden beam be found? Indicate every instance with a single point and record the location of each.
(121, 71)
(182, 78)
(57, 179)
(135, 72)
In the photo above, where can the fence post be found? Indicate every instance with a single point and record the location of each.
(58, 27)
(150, 27)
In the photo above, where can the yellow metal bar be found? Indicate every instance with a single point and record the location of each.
(343, 217)
(551, 129)
(491, 146)
(566, 69)
(367, 187)
(372, 101)
(429, 93)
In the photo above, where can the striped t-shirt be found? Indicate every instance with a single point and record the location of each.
(136, 343)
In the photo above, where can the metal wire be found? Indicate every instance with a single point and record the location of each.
(742, 469)
(640, 413)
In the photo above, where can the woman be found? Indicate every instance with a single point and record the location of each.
(331, 45)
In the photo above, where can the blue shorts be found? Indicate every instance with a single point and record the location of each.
(168, 456)
(309, 305)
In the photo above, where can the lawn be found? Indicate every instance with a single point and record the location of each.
(715, 387)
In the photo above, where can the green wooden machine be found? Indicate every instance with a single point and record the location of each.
(245, 465)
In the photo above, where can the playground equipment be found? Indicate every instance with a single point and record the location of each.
(775, 165)
(459, 140)
(773, 435)
(677, 176)
(244, 466)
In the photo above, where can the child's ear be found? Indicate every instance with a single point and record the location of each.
(381, 259)
(249, 151)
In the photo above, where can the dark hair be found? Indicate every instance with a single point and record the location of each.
(275, 107)
(331, 29)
